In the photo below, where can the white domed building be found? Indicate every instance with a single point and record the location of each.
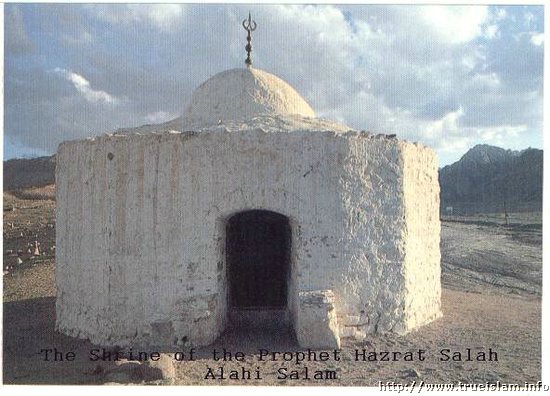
(247, 209)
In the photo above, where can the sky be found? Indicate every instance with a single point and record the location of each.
(447, 76)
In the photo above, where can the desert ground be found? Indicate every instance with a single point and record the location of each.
(491, 275)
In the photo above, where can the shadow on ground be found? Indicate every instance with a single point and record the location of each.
(29, 327)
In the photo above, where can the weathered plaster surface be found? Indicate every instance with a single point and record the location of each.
(242, 94)
(141, 224)
(423, 228)
(316, 324)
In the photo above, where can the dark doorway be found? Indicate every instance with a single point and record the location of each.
(258, 259)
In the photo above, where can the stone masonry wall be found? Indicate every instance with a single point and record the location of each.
(141, 229)
(423, 228)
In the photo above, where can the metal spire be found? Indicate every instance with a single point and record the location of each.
(249, 25)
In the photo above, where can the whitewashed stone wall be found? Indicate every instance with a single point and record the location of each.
(141, 229)
(423, 228)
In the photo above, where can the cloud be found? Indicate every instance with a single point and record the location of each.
(447, 76)
(160, 116)
(500, 14)
(164, 17)
(447, 124)
(79, 38)
(15, 149)
(454, 24)
(537, 39)
(83, 86)
(17, 39)
(491, 32)
(529, 19)
(500, 133)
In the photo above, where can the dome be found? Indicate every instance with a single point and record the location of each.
(241, 94)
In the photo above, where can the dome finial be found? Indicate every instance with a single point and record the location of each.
(249, 25)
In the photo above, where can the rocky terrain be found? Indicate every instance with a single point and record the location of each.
(491, 275)
(489, 179)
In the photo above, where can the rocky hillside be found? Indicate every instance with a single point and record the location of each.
(25, 173)
(488, 179)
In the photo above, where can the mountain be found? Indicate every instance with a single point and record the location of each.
(489, 179)
(25, 173)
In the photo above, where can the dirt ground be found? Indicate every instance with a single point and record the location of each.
(491, 275)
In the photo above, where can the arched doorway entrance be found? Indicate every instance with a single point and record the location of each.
(258, 260)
